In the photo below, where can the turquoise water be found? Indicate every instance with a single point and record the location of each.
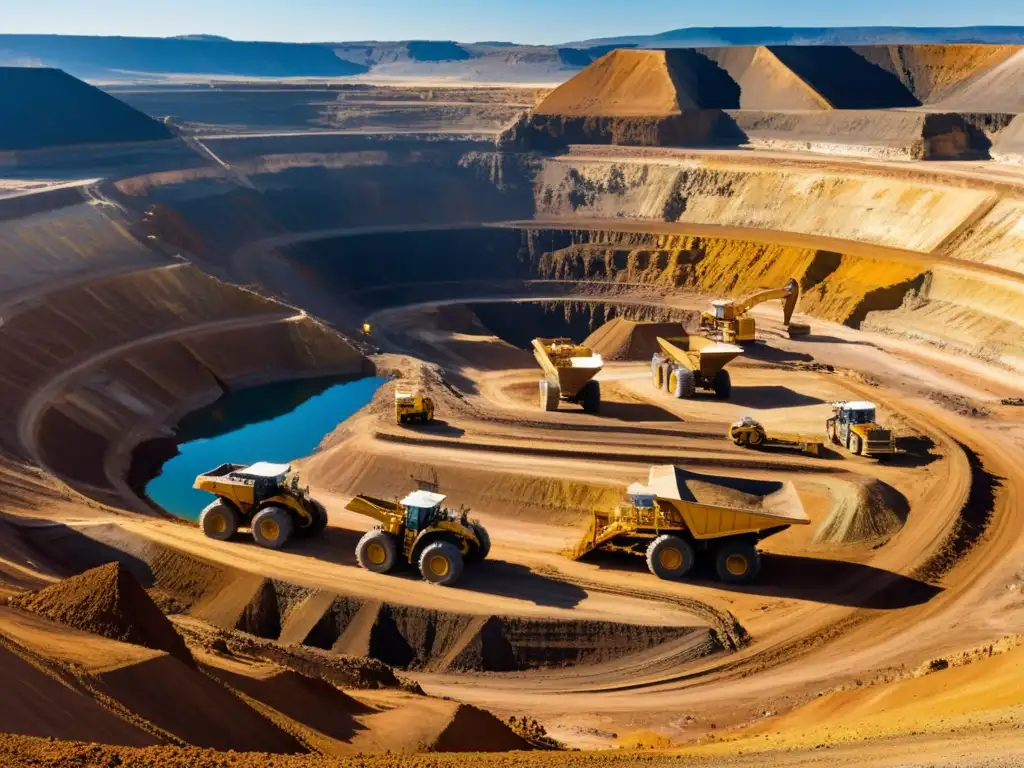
(277, 422)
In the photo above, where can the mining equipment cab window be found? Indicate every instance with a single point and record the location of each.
(864, 416)
(417, 518)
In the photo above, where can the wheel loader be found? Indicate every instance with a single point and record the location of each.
(680, 516)
(854, 426)
(411, 408)
(685, 363)
(266, 497)
(728, 317)
(419, 532)
(569, 370)
(749, 433)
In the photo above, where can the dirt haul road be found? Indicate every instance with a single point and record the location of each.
(930, 543)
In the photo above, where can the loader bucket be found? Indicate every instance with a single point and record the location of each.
(586, 543)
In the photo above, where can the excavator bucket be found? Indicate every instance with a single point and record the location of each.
(798, 329)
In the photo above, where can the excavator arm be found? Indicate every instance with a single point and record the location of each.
(789, 293)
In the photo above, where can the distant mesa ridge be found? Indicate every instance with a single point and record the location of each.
(118, 58)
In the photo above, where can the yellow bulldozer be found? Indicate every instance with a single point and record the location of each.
(679, 516)
(266, 497)
(728, 317)
(411, 408)
(854, 426)
(418, 531)
(685, 363)
(569, 371)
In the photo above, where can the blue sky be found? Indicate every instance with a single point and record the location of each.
(525, 21)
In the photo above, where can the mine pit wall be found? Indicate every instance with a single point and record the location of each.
(894, 135)
(359, 211)
(403, 636)
(105, 341)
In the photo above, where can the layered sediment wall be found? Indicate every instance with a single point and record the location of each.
(104, 339)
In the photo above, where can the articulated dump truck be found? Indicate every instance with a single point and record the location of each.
(685, 363)
(679, 516)
(569, 370)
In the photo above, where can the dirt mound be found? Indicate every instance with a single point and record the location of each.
(108, 601)
(475, 730)
(932, 72)
(621, 339)
(863, 510)
(627, 83)
(763, 496)
(38, 102)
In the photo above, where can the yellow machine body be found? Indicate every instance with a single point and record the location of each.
(729, 319)
(411, 407)
(393, 518)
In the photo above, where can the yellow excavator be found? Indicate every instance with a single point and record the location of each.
(728, 317)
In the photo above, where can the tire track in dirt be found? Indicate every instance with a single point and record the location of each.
(637, 458)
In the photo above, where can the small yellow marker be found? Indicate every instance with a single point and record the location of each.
(366, 329)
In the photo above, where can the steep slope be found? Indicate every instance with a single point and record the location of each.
(48, 108)
(108, 601)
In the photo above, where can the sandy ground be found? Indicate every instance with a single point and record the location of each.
(852, 617)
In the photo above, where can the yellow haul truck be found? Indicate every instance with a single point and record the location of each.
(413, 408)
(749, 433)
(729, 316)
(854, 426)
(685, 363)
(265, 496)
(418, 530)
(569, 370)
(679, 516)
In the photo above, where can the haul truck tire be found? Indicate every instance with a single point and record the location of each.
(682, 383)
(315, 528)
(670, 557)
(590, 397)
(377, 551)
(485, 541)
(756, 438)
(549, 395)
(855, 445)
(441, 563)
(722, 384)
(219, 520)
(272, 527)
(737, 562)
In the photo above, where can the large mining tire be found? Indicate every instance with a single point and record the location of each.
(549, 395)
(377, 551)
(485, 541)
(666, 369)
(219, 520)
(681, 383)
(658, 376)
(315, 528)
(722, 384)
(272, 527)
(756, 438)
(590, 397)
(656, 362)
(737, 562)
(855, 444)
(739, 437)
(670, 557)
(441, 563)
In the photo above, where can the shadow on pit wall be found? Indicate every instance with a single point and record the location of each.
(830, 582)
(493, 577)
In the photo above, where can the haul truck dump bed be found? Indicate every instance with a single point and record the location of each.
(569, 370)
(684, 363)
(679, 516)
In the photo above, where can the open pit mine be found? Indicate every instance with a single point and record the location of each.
(783, 528)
